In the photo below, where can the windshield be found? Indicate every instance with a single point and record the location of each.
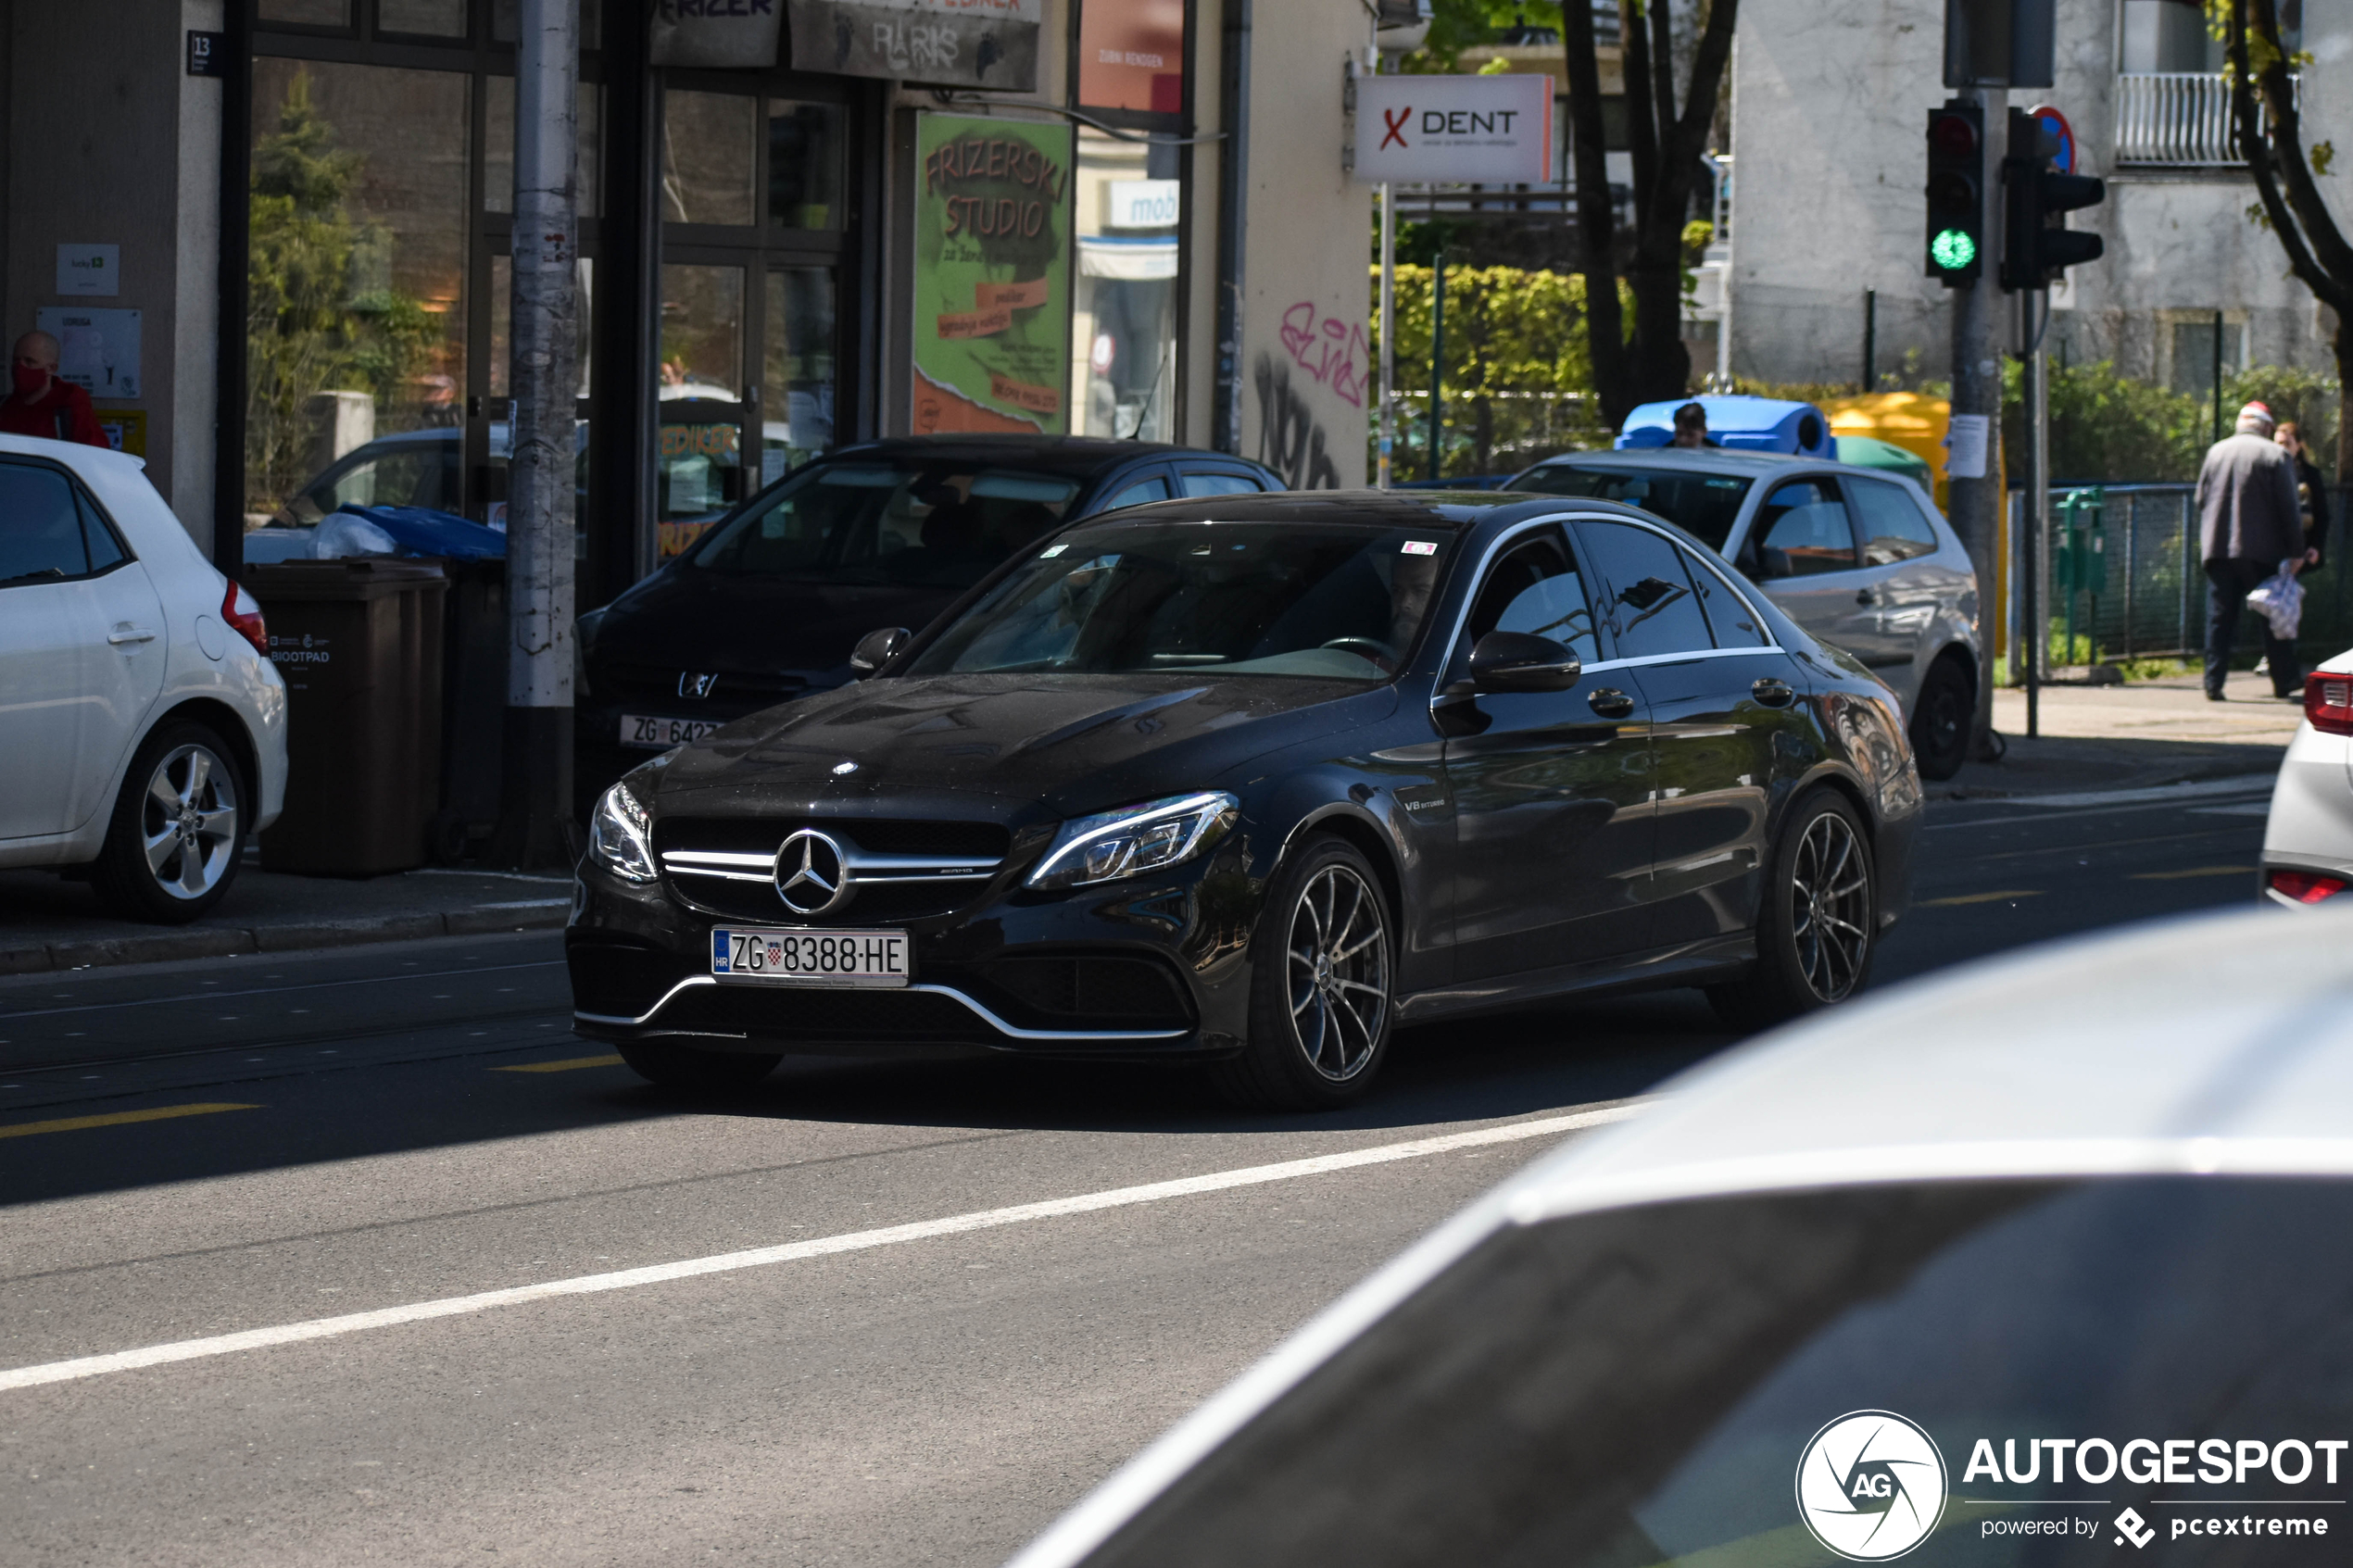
(1230, 598)
(935, 525)
(1701, 504)
(1990, 1373)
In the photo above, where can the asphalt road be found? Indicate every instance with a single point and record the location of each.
(202, 1150)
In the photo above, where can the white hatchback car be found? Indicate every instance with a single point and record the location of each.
(143, 727)
(2014, 1267)
(2307, 838)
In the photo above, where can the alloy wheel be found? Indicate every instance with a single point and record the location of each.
(188, 822)
(1830, 906)
(1339, 973)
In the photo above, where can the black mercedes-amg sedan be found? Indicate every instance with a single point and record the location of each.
(1253, 780)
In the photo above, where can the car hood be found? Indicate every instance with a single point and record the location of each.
(688, 619)
(1011, 748)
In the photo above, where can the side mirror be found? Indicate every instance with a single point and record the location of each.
(875, 649)
(1514, 661)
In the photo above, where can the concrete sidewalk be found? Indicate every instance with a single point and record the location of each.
(2135, 736)
(48, 925)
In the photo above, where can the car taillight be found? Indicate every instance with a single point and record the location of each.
(2328, 703)
(243, 617)
(2306, 887)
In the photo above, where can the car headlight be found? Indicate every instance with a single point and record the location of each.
(1134, 839)
(618, 836)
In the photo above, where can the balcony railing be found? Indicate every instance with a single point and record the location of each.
(2180, 119)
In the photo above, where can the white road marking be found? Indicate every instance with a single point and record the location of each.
(793, 1252)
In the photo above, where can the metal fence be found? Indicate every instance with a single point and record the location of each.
(2152, 603)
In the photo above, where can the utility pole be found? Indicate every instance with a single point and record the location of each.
(2034, 375)
(1437, 361)
(1388, 330)
(1973, 475)
(537, 779)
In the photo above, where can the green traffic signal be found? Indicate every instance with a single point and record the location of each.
(1952, 249)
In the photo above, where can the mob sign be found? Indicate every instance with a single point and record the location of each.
(1479, 129)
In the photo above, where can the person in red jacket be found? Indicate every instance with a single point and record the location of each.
(41, 404)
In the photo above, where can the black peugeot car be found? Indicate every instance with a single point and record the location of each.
(767, 602)
(1253, 781)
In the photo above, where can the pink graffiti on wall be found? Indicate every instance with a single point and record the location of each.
(1334, 352)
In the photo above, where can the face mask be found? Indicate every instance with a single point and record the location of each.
(31, 381)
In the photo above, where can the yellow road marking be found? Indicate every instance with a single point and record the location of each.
(2194, 871)
(564, 1066)
(1981, 897)
(116, 1119)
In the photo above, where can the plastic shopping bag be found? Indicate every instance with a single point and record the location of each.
(2279, 599)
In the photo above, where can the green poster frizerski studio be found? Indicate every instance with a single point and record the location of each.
(991, 326)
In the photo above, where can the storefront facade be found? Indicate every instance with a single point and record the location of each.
(802, 224)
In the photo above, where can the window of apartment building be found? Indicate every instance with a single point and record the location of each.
(1132, 60)
(2191, 362)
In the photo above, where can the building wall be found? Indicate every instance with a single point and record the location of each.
(1830, 104)
(1305, 347)
(95, 155)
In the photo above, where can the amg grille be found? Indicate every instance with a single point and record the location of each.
(900, 870)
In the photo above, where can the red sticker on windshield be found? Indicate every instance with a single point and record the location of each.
(1420, 547)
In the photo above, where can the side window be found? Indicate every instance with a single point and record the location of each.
(1729, 615)
(1890, 522)
(1652, 609)
(40, 526)
(105, 550)
(1218, 484)
(1802, 529)
(1136, 495)
(1536, 588)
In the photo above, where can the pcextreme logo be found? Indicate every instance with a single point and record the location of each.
(1871, 1485)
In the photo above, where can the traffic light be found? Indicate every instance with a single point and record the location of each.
(1955, 193)
(2037, 246)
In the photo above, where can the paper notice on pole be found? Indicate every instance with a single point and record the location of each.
(1966, 445)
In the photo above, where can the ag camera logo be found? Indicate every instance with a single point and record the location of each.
(1871, 1485)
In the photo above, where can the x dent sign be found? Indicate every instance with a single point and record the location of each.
(1482, 130)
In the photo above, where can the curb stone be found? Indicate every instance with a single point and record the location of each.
(213, 942)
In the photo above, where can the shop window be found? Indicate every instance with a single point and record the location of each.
(1124, 336)
(499, 147)
(797, 371)
(306, 13)
(1131, 55)
(709, 146)
(804, 165)
(357, 266)
(434, 18)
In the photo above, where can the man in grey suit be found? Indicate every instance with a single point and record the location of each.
(2249, 523)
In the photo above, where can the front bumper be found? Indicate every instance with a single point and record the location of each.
(1154, 967)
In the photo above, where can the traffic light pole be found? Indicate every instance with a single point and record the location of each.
(1973, 474)
(2032, 532)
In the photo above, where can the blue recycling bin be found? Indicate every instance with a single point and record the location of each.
(1738, 424)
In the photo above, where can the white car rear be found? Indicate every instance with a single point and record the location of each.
(143, 727)
(2308, 841)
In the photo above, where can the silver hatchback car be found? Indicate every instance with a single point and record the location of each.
(1858, 556)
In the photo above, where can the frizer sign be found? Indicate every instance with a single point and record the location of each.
(1483, 130)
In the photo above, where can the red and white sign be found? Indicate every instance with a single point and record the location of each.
(1475, 130)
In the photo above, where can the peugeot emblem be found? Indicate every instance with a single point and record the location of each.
(692, 684)
(812, 874)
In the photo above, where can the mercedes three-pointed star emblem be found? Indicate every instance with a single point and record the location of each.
(812, 874)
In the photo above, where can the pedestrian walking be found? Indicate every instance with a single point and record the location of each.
(40, 403)
(2311, 494)
(2249, 525)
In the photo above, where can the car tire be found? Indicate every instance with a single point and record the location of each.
(683, 1067)
(1322, 986)
(179, 828)
(1942, 716)
(1818, 930)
